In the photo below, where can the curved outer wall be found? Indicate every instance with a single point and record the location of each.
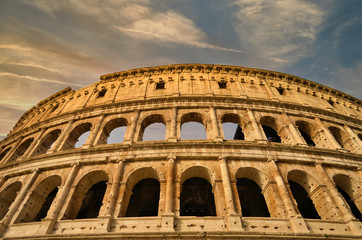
(39, 156)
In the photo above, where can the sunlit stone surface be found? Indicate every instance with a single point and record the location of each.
(187, 151)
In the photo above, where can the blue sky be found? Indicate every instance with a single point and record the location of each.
(47, 45)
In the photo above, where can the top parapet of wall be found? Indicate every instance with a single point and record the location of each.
(207, 81)
(225, 69)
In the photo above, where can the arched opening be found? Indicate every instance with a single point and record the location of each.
(307, 139)
(92, 201)
(270, 128)
(47, 142)
(87, 198)
(78, 136)
(144, 199)
(117, 135)
(153, 128)
(232, 131)
(46, 205)
(360, 136)
(231, 127)
(305, 204)
(349, 190)
(197, 198)
(21, 149)
(354, 209)
(154, 132)
(192, 126)
(271, 134)
(7, 197)
(336, 132)
(113, 131)
(3, 153)
(40, 200)
(251, 199)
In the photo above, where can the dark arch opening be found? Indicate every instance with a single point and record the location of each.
(355, 211)
(92, 201)
(19, 152)
(7, 197)
(360, 136)
(47, 142)
(46, 205)
(305, 204)
(251, 199)
(3, 153)
(197, 198)
(337, 135)
(271, 134)
(307, 139)
(145, 198)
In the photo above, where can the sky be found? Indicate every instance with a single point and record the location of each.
(48, 45)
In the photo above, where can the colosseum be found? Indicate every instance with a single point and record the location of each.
(290, 170)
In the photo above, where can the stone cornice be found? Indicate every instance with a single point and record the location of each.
(103, 154)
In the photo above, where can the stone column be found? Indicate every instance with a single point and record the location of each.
(215, 126)
(34, 144)
(115, 187)
(269, 91)
(173, 126)
(59, 142)
(3, 180)
(340, 204)
(227, 186)
(170, 185)
(53, 214)
(94, 133)
(132, 128)
(259, 134)
(15, 206)
(332, 141)
(168, 217)
(295, 133)
(233, 221)
(354, 136)
(296, 221)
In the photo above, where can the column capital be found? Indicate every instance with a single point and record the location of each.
(171, 158)
(75, 164)
(318, 163)
(272, 160)
(122, 160)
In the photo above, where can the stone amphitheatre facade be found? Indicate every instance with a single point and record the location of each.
(292, 170)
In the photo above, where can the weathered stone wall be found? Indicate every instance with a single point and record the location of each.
(39, 155)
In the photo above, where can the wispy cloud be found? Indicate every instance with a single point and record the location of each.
(33, 65)
(138, 20)
(15, 47)
(280, 30)
(171, 27)
(7, 74)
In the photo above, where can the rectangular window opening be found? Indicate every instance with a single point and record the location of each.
(281, 90)
(160, 85)
(222, 85)
(102, 93)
